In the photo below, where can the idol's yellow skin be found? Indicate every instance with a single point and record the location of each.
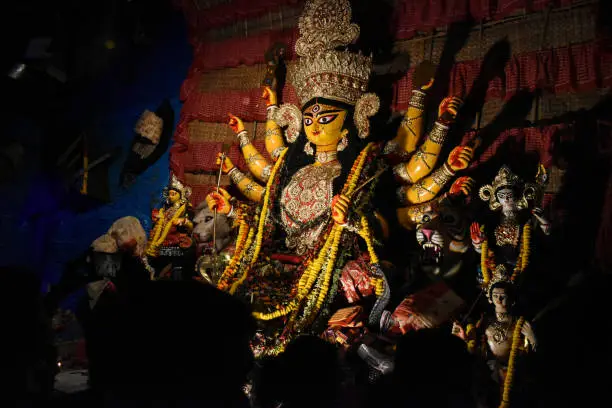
(273, 139)
(174, 196)
(423, 182)
(411, 129)
(323, 127)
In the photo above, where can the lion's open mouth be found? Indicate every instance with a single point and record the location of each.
(432, 254)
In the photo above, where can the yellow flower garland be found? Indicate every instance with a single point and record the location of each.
(230, 269)
(516, 342)
(158, 237)
(484, 251)
(239, 282)
(263, 215)
(366, 234)
(327, 253)
(522, 260)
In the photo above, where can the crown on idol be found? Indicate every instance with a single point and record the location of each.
(325, 72)
(498, 275)
(175, 184)
(506, 179)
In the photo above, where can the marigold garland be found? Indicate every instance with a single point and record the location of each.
(522, 261)
(326, 257)
(262, 221)
(484, 250)
(158, 237)
(516, 342)
(230, 269)
(313, 288)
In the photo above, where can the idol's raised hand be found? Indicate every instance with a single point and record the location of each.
(227, 164)
(269, 96)
(235, 123)
(219, 201)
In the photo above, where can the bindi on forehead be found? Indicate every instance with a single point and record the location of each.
(319, 108)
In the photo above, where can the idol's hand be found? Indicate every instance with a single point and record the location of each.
(422, 77)
(463, 185)
(269, 96)
(458, 331)
(180, 222)
(219, 201)
(477, 233)
(447, 112)
(235, 123)
(340, 205)
(460, 157)
(227, 165)
(538, 213)
(529, 334)
(428, 85)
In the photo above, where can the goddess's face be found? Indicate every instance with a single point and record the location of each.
(173, 196)
(500, 300)
(507, 198)
(323, 124)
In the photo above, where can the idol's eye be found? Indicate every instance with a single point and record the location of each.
(426, 218)
(208, 218)
(307, 121)
(326, 119)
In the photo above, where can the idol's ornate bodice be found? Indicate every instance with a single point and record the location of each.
(507, 233)
(306, 205)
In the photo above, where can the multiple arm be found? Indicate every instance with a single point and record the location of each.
(274, 141)
(257, 164)
(421, 181)
(411, 129)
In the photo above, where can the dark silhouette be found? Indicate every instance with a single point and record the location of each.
(181, 342)
(29, 358)
(306, 375)
(432, 369)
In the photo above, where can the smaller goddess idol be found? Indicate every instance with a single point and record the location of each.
(309, 215)
(170, 243)
(507, 336)
(508, 242)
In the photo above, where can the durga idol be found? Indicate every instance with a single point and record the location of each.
(307, 208)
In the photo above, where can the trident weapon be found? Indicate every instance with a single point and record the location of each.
(214, 246)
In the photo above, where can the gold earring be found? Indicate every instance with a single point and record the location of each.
(343, 142)
(308, 149)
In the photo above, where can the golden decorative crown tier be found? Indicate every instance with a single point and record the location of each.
(498, 275)
(323, 71)
(335, 75)
(505, 179)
